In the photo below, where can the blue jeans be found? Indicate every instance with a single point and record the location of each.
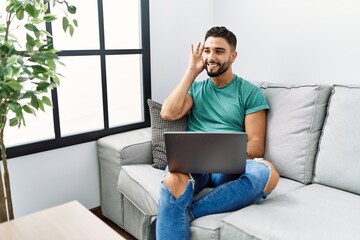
(230, 192)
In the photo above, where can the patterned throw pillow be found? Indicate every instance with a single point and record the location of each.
(158, 127)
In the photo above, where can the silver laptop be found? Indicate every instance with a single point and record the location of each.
(204, 152)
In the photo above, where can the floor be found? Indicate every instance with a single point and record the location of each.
(122, 232)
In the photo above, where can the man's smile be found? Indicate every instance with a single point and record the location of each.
(212, 65)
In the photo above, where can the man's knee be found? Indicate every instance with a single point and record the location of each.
(273, 178)
(176, 183)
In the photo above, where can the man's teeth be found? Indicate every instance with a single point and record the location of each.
(212, 64)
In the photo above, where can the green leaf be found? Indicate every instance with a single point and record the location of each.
(42, 86)
(27, 94)
(20, 60)
(49, 17)
(10, 8)
(28, 109)
(71, 9)
(29, 48)
(51, 63)
(65, 23)
(47, 101)
(14, 85)
(34, 102)
(56, 80)
(8, 73)
(31, 27)
(30, 40)
(22, 79)
(38, 69)
(30, 9)
(37, 20)
(41, 105)
(5, 90)
(37, 34)
(16, 70)
(12, 60)
(13, 122)
(14, 107)
(75, 22)
(20, 14)
(71, 30)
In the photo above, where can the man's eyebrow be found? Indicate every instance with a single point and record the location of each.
(217, 48)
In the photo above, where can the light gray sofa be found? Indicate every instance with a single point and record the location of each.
(313, 138)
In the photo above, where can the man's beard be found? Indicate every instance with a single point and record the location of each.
(222, 68)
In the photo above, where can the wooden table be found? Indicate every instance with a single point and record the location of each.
(70, 221)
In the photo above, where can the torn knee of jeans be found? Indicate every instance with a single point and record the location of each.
(190, 181)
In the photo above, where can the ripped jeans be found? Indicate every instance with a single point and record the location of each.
(230, 192)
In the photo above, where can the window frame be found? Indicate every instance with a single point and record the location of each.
(58, 141)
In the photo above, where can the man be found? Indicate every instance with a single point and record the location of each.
(223, 102)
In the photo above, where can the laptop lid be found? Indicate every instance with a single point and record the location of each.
(205, 152)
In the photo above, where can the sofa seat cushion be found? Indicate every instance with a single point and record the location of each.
(338, 162)
(294, 124)
(207, 227)
(285, 186)
(312, 212)
(140, 183)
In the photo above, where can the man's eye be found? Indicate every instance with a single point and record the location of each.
(206, 51)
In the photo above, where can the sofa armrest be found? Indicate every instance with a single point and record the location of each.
(133, 147)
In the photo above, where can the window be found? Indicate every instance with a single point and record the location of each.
(106, 79)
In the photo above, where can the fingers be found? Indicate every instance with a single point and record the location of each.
(198, 49)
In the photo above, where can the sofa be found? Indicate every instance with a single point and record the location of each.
(313, 139)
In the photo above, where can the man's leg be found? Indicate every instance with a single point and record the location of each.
(233, 195)
(176, 195)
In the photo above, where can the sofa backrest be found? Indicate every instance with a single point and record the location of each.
(338, 159)
(294, 125)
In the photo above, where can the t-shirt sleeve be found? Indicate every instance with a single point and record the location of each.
(191, 90)
(255, 100)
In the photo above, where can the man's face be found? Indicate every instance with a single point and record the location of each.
(217, 56)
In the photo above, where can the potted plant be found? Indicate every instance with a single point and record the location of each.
(27, 72)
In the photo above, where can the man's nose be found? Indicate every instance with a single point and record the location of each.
(211, 56)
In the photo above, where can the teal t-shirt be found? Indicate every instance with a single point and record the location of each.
(223, 109)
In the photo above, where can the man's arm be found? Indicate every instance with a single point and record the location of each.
(255, 127)
(179, 102)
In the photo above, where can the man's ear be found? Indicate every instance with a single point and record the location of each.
(233, 56)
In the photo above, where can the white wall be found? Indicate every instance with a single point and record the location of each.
(175, 25)
(295, 41)
(53, 177)
(279, 41)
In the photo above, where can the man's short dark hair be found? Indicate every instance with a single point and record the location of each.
(222, 32)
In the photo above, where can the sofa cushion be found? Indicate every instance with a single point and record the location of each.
(284, 186)
(207, 227)
(158, 127)
(140, 183)
(312, 212)
(294, 124)
(338, 161)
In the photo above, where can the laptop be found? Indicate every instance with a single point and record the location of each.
(205, 152)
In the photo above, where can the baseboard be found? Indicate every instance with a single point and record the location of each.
(97, 211)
